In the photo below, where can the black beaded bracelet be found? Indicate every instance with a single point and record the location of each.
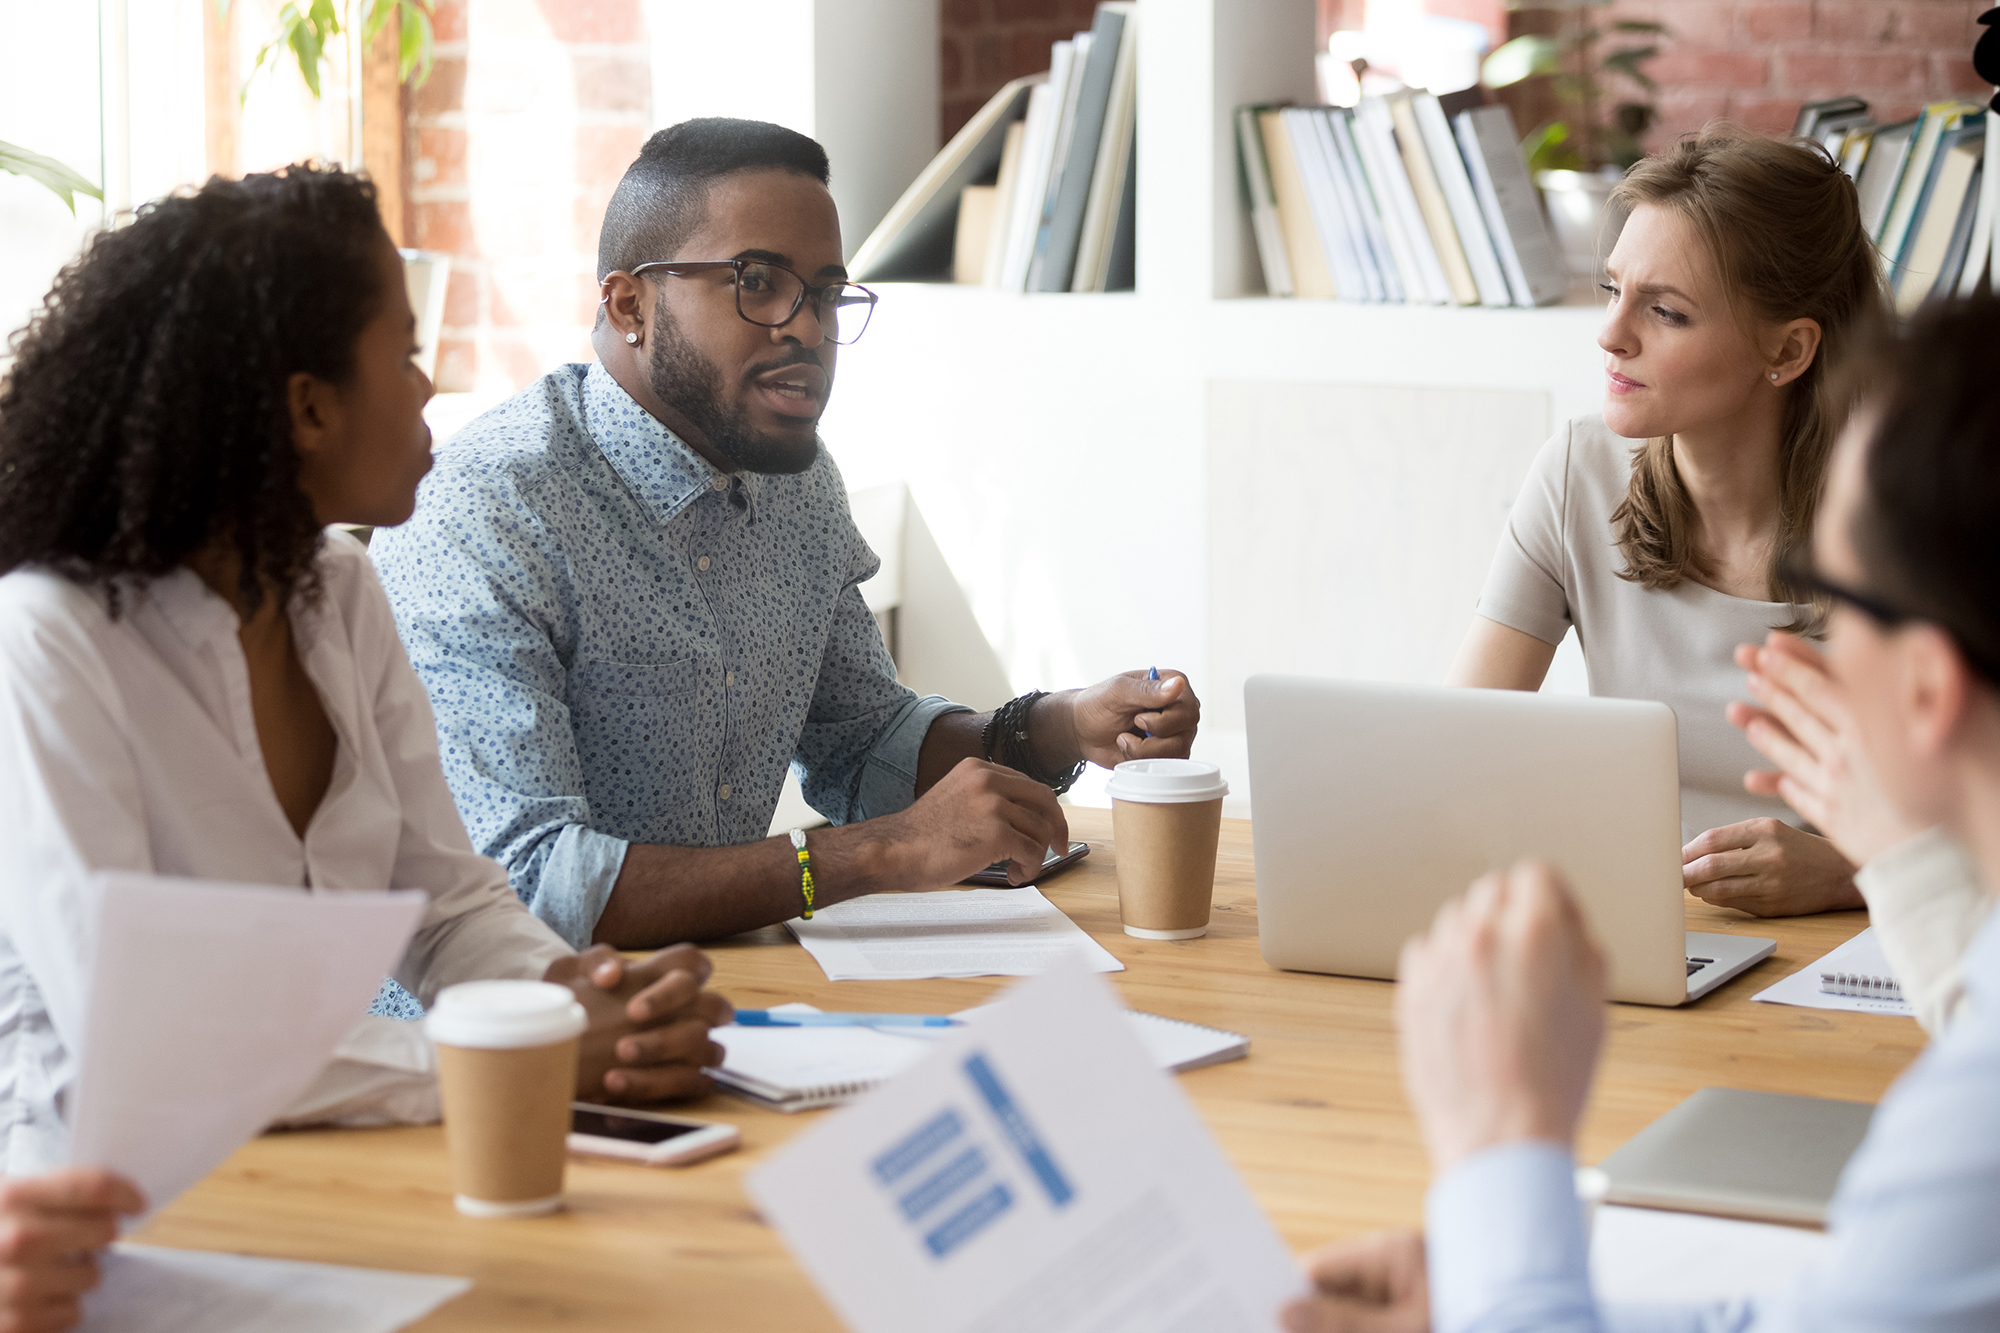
(1005, 741)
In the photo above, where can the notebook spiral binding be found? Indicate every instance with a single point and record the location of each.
(1858, 983)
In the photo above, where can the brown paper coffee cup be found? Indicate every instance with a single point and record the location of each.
(507, 1053)
(1166, 816)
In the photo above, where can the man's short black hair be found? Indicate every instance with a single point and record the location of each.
(664, 194)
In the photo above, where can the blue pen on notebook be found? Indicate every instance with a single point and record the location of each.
(765, 1018)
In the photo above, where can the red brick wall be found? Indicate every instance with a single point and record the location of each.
(1756, 60)
(988, 42)
(533, 111)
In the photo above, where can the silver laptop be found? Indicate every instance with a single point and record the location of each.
(1374, 804)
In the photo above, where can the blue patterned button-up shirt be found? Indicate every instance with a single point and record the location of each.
(622, 644)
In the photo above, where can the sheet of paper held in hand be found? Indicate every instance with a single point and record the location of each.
(948, 933)
(212, 1007)
(1644, 1256)
(186, 1291)
(1862, 955)
(1036, 1171)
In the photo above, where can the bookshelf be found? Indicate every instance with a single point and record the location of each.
(1194, 474)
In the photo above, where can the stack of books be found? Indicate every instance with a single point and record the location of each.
(1393, 201)
(1037, 192)
(1928, 189)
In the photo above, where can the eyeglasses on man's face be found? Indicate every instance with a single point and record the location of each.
(771, 295)
(1797, 571)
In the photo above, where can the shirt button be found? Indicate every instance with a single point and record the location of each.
(729, 679)
(720, 483)
(724, 791)
(702, 564)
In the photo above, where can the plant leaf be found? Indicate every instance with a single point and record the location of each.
(1638, 25)
(1626, 62)
(1522, 58)
(64, 182)
(1549, 149)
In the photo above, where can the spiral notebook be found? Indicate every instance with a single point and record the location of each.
(802, 1069)
(1855, 977)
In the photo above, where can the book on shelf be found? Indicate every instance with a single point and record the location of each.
(1310, 274)
(914, 240)
(1918, 176)
(1263, 201)
(1394, 201)
(1949, 198)
(1813, 115)
(1980, 246)
(1536, 274)
(1875, 187)
(1038, 191)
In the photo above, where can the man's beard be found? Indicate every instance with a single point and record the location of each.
(689, 382)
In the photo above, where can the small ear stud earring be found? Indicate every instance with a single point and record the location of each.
(1774, 374)
(633, 338)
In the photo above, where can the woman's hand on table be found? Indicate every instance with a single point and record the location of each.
(51, 1227)
(1376, 1284)
(649, 1023)
(1805, 727)
(1768, 868)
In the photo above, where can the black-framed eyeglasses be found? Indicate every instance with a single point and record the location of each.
(1797, 571)
(771, 295)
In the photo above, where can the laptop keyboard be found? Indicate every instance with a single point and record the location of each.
(1697, 964)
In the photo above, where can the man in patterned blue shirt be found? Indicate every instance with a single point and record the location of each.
(632, 593)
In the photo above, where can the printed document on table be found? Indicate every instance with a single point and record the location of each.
(1862, 955)
(146, 1288)
(1645, 1256)
(948, 933)
(1035, 1171)
(212, 1007)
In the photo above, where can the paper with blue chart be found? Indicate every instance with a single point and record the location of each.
(1035, 1171)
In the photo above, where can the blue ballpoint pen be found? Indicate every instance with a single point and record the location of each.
(764, 1018)
(1152, 673)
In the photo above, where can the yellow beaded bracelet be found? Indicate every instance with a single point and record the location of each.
(805, 870)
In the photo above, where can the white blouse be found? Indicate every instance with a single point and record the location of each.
(129, 744)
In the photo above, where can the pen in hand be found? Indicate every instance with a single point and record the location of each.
(1152, 673)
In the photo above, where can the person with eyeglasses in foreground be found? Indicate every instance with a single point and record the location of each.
(1501, 1006)
(200, 677)
(632, 591)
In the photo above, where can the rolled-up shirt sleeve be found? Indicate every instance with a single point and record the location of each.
(864, 730)
(1525, 586)
(481, 600)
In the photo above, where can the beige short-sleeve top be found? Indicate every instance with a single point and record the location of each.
(1557, 567)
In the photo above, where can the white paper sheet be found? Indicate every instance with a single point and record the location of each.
(948, 933)
(1862, 954)
(1647, 1256)
(211, 1008)
(146, 1289)
(1036, 1171)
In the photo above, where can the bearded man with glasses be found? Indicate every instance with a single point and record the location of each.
(632, 593)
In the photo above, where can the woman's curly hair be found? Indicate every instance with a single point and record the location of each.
(146, 413)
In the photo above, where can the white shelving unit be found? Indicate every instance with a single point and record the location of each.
(1193, 475)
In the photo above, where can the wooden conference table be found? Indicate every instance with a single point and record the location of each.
(1314, 1119)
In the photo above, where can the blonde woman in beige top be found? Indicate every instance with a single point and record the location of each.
(1658, 530)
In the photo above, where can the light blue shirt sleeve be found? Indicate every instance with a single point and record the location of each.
(864, 730)
(1915, 1224)
(480, 618)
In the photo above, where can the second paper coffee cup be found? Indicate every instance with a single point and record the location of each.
(1165, 817)
(507, 1053)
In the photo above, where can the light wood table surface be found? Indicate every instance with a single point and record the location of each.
(1314, 1119)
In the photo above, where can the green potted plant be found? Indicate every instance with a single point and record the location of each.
(65, 183)
(1578, 155)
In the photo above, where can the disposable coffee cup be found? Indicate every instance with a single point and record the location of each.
(507, 1053)
(1165, 817)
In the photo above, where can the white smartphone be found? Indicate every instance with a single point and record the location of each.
(646, 1137)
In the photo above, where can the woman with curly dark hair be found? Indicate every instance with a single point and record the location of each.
(198, 677)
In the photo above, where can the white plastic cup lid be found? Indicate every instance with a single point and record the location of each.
(1165, 782)
(504, 1015)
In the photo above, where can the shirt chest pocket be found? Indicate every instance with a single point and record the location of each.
(645, 744)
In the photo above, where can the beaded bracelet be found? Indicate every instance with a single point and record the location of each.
(1005, 741)
(805, 870)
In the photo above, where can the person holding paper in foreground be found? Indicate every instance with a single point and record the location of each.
(1501, 1006)
(198, 679)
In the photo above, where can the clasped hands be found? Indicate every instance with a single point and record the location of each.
(649, 1020)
